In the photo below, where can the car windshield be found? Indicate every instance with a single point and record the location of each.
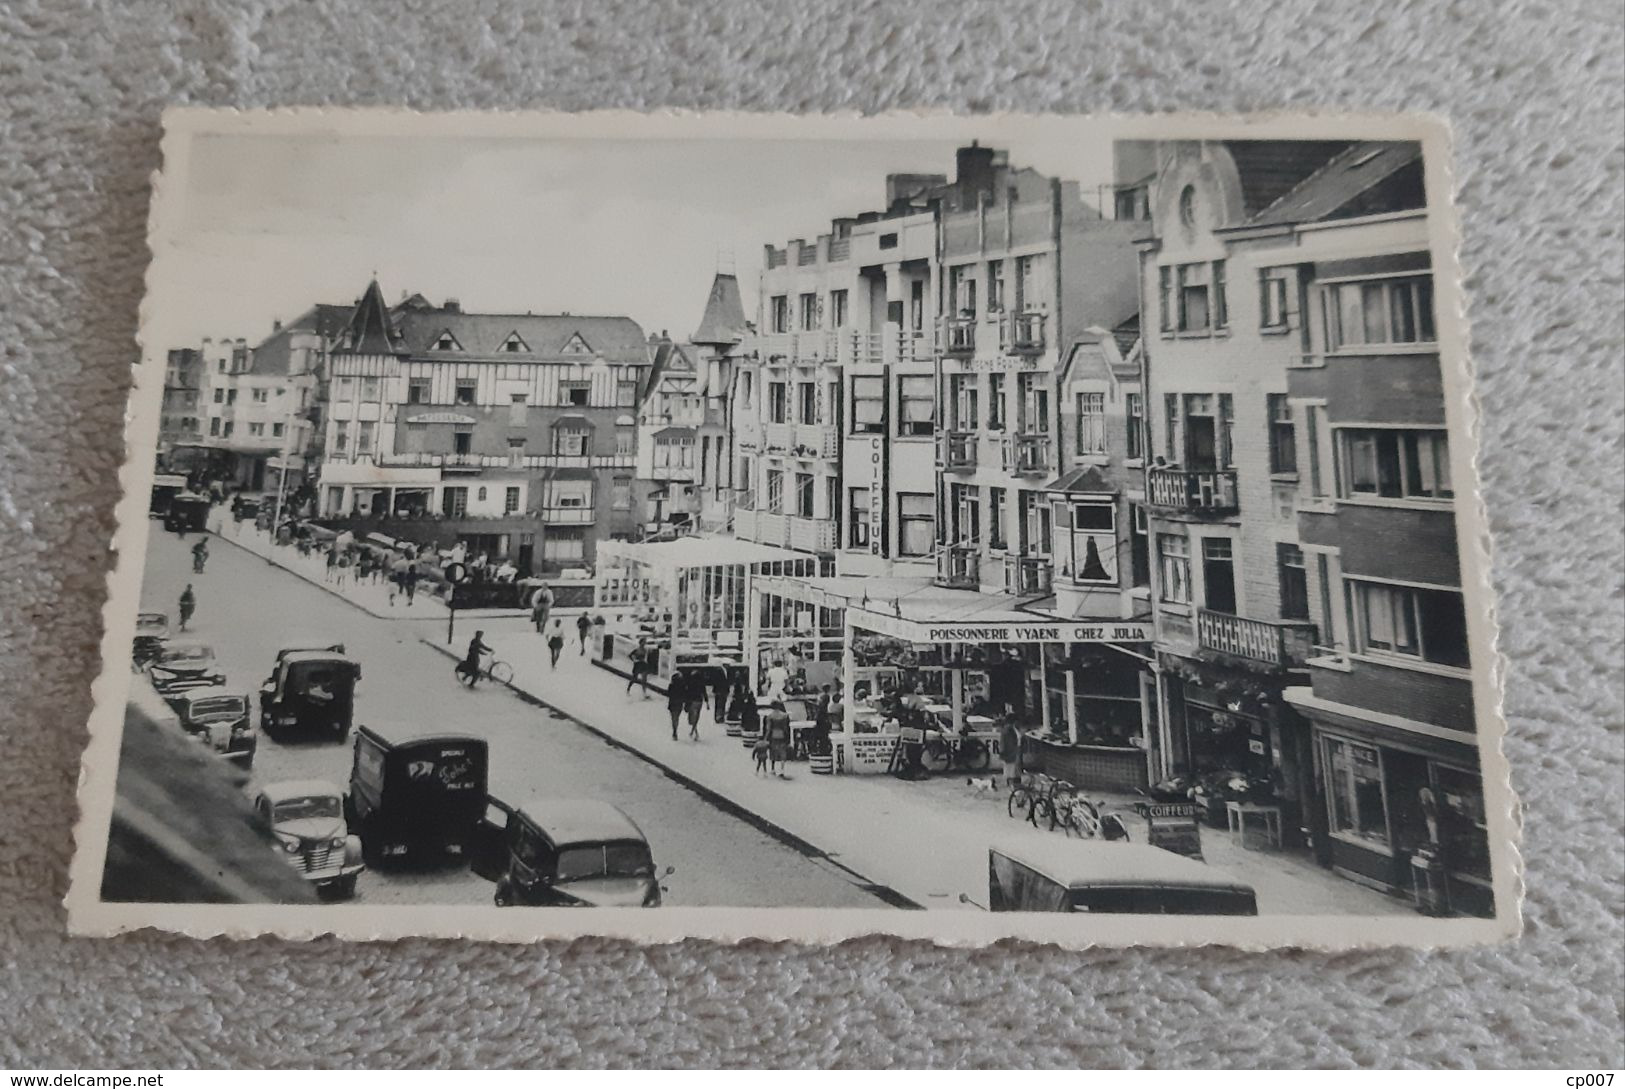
(609, 860)
(185, 653)
(296, 809)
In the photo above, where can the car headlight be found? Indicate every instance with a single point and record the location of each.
(291, 846)
(338, 841)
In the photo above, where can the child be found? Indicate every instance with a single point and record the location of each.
(760, 752)
(555, 642)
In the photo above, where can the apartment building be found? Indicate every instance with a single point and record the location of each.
(1250, 242)
(514, 434)
(1033, 283)
(668, 451)
(717, 347)
(180, 418)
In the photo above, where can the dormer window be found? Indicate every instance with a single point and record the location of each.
(445, 342)
(515, 343)
(576, 346)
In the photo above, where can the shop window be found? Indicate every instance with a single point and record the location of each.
(465, 391)
(1376, 312)
(1355, 797)
(417, 391)
(778, 402)
(1294, 580)
(857, 518)
(1091, 423)
(779, 313)
(1410, 622)
(916, 523)
(1134, 413)
(578, 394)
(916, 406)
(1395, 463)
(868, 406)
(1174, 568)
(1463, 832)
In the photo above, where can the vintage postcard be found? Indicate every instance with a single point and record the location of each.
(750, 526)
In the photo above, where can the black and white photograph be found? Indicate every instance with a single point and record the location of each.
(801, 527)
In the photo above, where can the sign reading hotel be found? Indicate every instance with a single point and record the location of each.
(1019, 631)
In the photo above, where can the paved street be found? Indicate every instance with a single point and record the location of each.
(247, 609)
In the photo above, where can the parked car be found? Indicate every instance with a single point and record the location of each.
(1049, 873)
(165, 487)
(220, 719)
(246, 507)
(416, 795)
(307, 816)
(310, 691)
(151, 633)
(566, 852)
(187, 513)
(183, 665)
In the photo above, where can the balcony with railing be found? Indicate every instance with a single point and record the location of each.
(1207, 491)
(777, 438)
(568, 516)
(1027, 452)
(958, 336)
(1280, 643)
(813, 441)
(1024, 331)
(960, 566)
(957, 450)
(812, 534)
(1028, 574)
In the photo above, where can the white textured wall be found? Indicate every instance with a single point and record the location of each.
(1535, 93)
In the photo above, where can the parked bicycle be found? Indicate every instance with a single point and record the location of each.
(1059, 804)
(1031, 799)
(942, 751)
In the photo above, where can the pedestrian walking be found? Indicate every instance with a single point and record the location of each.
(694, 702)
(1010, 752)
(332, 565)
(555, 643)
(541, 606)
(719, 693)
(776, 732)
(778, 677)
(409, 582)
(583, 626)
(677, 690)
(597, 637)
(188, 604)
(642, 659)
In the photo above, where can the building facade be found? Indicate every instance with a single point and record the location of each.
(1310, 631)
(514, 434)
(670, 420)
(181, 417)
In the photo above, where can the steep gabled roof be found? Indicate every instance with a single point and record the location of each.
(723, 322)
(274, 355)
(1367, 178)
(1271, 168)
(371, 331)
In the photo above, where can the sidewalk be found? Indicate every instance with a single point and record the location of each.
(924, 842)
(370, 597)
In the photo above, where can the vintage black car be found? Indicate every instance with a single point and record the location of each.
(245, 507)
(566, 852)
(187, 513)
(219, 718)
(307, 817)
(310, 691)
(416, 796)
(151, 633)
(179, 666)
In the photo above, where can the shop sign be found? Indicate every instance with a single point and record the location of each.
(877, 496)
(1169, 810)
(1182, 837)
(1019, 632)
(441, 418)
(865, 754)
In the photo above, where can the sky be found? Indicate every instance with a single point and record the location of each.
(270, 224)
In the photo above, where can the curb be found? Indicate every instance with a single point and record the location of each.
(625, 675)
(885, 893)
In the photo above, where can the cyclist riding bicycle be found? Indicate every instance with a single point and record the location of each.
(469, 667)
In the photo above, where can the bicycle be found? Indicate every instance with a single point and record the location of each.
(942, 751)
(495, 670)
(1077, 815)
(1031, 798)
